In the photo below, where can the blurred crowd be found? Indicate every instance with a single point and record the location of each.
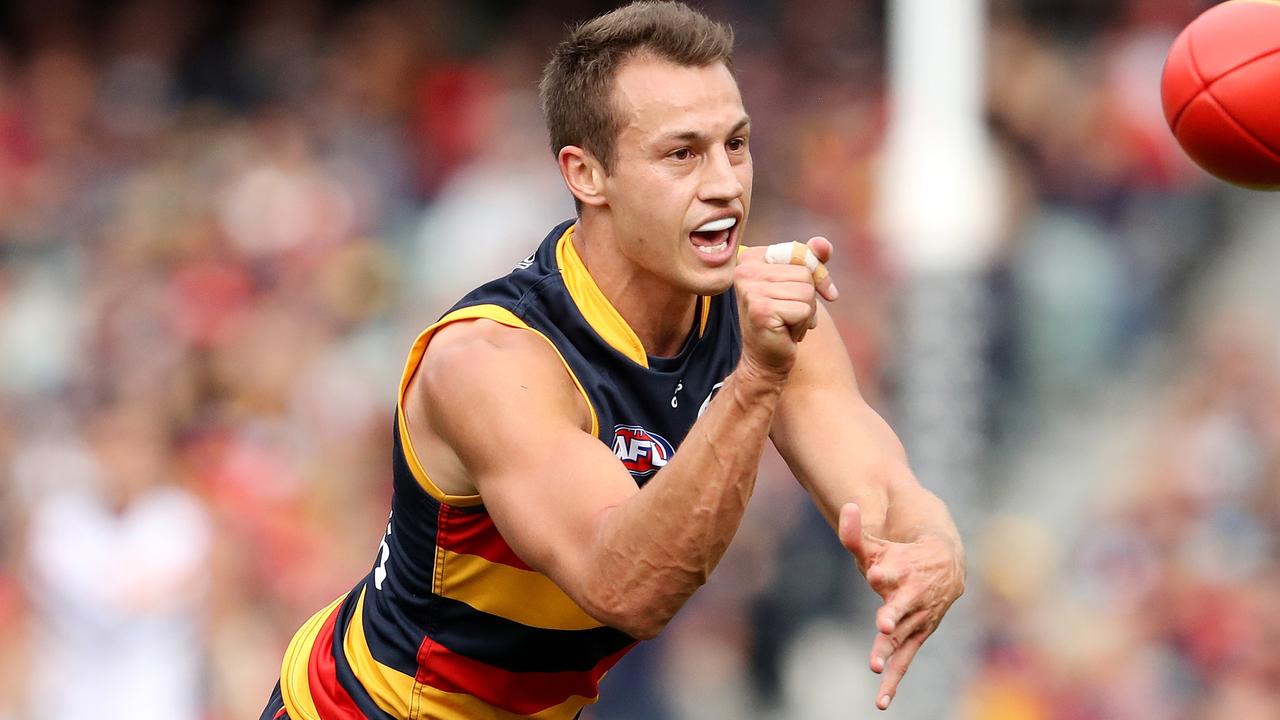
(1161, 603)
(222, 224)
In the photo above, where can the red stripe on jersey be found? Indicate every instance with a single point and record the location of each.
(522, 693)
(473, 533)
(330, 698)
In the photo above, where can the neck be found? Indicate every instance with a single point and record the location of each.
(659, 314)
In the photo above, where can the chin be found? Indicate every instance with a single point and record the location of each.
(716, 284)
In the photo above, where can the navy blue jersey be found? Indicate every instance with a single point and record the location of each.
(631, 393)
(450, 623)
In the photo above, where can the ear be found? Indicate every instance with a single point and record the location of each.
(583, 174)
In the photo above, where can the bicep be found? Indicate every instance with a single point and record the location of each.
(507, 407)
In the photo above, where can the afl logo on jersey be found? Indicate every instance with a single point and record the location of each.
(643, 452)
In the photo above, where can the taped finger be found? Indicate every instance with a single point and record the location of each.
(797, 253)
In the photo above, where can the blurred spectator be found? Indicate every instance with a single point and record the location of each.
(116, 577)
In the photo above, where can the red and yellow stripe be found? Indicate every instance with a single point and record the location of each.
(522, 694)
(475, 565)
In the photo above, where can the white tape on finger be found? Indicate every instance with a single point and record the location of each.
(778, 253)
(796, 253)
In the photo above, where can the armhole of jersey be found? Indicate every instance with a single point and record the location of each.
(475, 312)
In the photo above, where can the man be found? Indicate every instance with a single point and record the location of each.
(543, 520)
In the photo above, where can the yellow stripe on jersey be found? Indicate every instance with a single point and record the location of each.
(524, 596)
(389, 688)
(437, 704)
(706, 314)
(295, 689)
(600, 314)
(476, 312)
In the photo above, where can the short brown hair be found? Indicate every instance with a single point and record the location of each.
(577, 84)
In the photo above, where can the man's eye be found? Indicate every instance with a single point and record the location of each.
(682, 154)
(737, 144)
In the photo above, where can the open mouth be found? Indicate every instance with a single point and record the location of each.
(714, 237)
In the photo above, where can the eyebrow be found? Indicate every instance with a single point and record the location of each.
(695, 136)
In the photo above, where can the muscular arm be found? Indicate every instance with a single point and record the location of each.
(629, 557)
(842, 451)
(855, 468)
(503, 405)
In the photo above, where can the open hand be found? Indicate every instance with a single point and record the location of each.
(918, 581)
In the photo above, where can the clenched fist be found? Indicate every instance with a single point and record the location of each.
(777, 301)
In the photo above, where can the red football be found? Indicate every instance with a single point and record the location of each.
(1221, 92)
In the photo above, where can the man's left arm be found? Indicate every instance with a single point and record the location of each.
(855, 468)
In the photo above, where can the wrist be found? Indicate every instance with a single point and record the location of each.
(757, 375)
(755, 388)
(948, 538)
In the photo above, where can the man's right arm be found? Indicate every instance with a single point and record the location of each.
(502, 402)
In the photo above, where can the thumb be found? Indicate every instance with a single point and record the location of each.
(821, 248)
(849, 528)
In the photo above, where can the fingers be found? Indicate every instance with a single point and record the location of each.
(884, 577)
(784, 293)
(808, 258)
(897, 668)
(886, 643)
(821, 247)
(802, 291)
(798, 331)
(807, 255)
(898, 606)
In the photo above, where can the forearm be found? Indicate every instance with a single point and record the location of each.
(893, 504)
(868, 466)
(656, 548)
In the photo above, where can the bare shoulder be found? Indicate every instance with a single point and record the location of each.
(464, 344)
(483, 372)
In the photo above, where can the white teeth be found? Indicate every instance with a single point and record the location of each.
(712, 249)
(718, 225)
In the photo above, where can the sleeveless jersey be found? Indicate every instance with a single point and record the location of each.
(450, 624)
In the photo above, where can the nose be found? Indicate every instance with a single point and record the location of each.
(720, 182)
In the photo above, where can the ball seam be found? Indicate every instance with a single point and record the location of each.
(1275, 154)
(1205, 85)
(1195, 68)
(1206, 89)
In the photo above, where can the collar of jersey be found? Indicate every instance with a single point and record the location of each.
(600, 314)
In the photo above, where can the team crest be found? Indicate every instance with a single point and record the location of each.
(643, 452)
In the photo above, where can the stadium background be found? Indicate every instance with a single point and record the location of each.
(221, 224)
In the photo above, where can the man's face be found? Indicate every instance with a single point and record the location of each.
(681, 163)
